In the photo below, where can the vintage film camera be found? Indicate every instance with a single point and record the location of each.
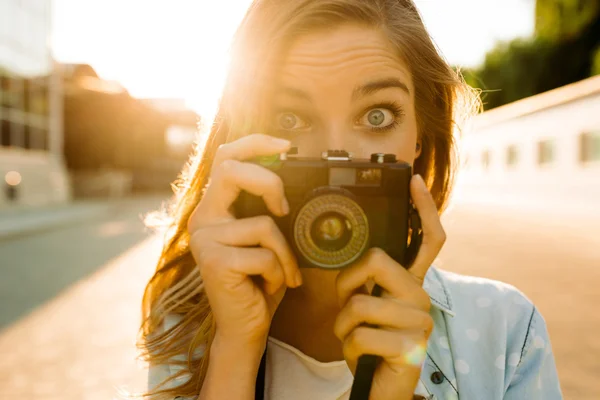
(340, 207)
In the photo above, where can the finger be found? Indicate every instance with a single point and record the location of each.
(256, 231)
(434, 235)
(228, 180)
(401, 348)
(250, 146)
(221, 260)
(385, 313)
(379, 267)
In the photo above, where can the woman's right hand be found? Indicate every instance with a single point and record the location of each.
(231, 252)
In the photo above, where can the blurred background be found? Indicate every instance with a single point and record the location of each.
(100, 102)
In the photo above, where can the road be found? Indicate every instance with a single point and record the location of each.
(554, 258)
(69, 308)
(70, 298)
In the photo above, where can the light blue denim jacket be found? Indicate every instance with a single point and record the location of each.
(489, 342)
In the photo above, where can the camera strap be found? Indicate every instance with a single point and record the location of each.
(365, 369)
(259, 390)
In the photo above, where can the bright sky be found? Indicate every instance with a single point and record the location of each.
(177, 48)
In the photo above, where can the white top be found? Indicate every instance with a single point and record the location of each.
(292, 375)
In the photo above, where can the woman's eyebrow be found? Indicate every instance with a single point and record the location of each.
(294, 92)
(380, 84)
(359, 91)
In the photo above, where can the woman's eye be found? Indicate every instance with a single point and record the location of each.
(290, 121)
(378, 118)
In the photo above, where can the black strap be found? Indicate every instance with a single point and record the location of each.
(259, 390)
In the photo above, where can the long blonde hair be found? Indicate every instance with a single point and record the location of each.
(442, 101)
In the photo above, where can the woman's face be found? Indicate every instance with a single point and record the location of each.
(346, 89)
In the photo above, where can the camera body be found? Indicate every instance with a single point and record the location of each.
(339, 207)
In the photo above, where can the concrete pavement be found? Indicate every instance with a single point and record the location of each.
(554, 258)
(69, 306)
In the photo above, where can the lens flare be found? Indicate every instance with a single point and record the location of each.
(416, 356)
(13, 178)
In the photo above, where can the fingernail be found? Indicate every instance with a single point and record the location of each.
(285, 207)
(298, 278)
(281, 142)
(423, 186)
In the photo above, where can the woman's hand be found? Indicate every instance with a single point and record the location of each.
(231, 253)
(401, 314)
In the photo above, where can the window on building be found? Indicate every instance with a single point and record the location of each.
(38, 101)
(38, 138)
(12, 93)
(4, 132)
(5, 95)
(512, 155)
(546, 152)
(589, 146)
(467, 161)
(485, 159)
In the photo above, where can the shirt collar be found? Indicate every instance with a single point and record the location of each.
(435, 287)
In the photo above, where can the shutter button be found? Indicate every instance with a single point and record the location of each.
(437, 377)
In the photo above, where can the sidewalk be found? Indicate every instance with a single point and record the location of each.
(29, 220)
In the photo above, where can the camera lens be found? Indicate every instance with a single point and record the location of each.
(330, 229)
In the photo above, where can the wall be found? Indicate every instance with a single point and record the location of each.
(566, 181)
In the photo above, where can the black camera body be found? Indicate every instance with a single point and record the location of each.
(339, 207)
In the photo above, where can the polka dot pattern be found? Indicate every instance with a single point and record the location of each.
(513, 359)
(451, 395)
(483, 302)
(453, 382)
(444, 342)
(462, 367)
(473, 334)
(539, 342)
(499, 363)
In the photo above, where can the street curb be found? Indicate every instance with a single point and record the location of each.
(40, 221)
(59, 221)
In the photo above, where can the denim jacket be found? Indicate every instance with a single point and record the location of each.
(489, 342)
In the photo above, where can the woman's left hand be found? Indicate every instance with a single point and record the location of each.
(401, 314)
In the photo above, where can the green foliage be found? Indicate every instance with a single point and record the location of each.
(596, 62)
(566, 49)
(564, 19)
(510, 71)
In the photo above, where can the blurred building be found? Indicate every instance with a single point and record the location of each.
(115, 144)
(180, 135)
(32, 171)
(543, 151)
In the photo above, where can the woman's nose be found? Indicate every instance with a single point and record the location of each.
(336, 137)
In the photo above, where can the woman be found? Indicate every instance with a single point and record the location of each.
(363, 76)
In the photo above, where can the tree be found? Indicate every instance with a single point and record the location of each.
(564, 50)
(558, 20)
(511, 71)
